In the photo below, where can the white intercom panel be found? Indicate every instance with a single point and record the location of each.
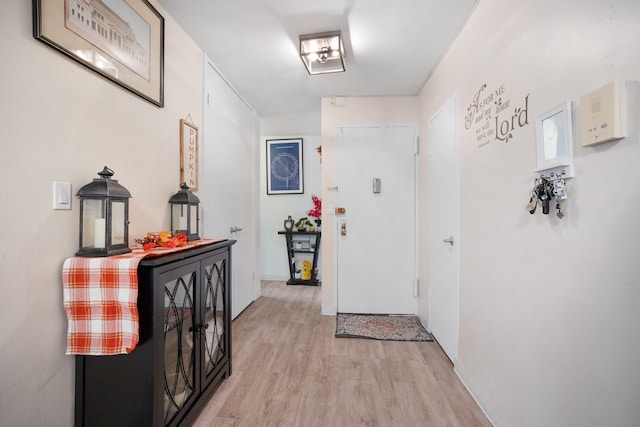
(602, 114)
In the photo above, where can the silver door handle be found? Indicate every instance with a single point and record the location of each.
(449, 240)
(235, 229)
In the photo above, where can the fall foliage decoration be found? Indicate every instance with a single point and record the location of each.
(163, 239)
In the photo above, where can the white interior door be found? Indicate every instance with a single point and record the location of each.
(229, 182)
(443, 225)
(376, 235)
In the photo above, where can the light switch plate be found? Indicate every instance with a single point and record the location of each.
(61, 195)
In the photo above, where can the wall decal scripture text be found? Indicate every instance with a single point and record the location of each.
(491, 118)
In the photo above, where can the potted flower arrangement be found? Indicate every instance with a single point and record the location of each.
(303, 223)
(316, 212)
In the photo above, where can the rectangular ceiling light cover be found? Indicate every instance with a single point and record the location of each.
(322, 52)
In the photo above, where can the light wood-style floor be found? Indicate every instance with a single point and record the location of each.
(290, 370)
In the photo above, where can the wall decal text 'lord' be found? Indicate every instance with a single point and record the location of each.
(492, 105)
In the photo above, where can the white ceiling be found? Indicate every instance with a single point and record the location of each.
(391, 45)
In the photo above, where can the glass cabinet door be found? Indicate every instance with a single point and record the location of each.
(214, 299)
(179, 349)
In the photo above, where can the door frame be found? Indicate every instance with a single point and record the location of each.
(336, 137)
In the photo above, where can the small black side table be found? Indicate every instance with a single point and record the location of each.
(309, 244)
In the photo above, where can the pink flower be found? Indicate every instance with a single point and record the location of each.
(316, 212)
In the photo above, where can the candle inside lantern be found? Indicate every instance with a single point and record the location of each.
(99, 233)
(182, 223)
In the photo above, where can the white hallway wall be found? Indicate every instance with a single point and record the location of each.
(63, 122)
(274, 209)
(549, 308)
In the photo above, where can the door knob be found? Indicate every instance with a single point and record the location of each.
(449, 240)
(235, 229)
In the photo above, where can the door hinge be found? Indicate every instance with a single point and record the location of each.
(416, 287)
(416, 149)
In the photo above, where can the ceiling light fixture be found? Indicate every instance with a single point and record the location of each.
(322, 52)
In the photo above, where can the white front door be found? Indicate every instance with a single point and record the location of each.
(229, 179)
(376, 235)
(443, 224)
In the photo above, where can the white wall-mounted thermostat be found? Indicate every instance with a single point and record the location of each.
(602, 114)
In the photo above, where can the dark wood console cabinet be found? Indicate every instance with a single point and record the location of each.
(184, 352)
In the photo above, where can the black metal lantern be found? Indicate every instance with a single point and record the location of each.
(185, 213)
(104, 217)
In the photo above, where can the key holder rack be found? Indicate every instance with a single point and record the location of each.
(554, 147)
(554, 141)
(553, 176)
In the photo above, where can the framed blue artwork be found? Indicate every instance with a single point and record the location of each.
(284, 166)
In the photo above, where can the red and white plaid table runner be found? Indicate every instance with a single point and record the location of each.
(101, 301)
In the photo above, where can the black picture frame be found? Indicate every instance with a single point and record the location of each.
(285, 168)
(123, 41)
